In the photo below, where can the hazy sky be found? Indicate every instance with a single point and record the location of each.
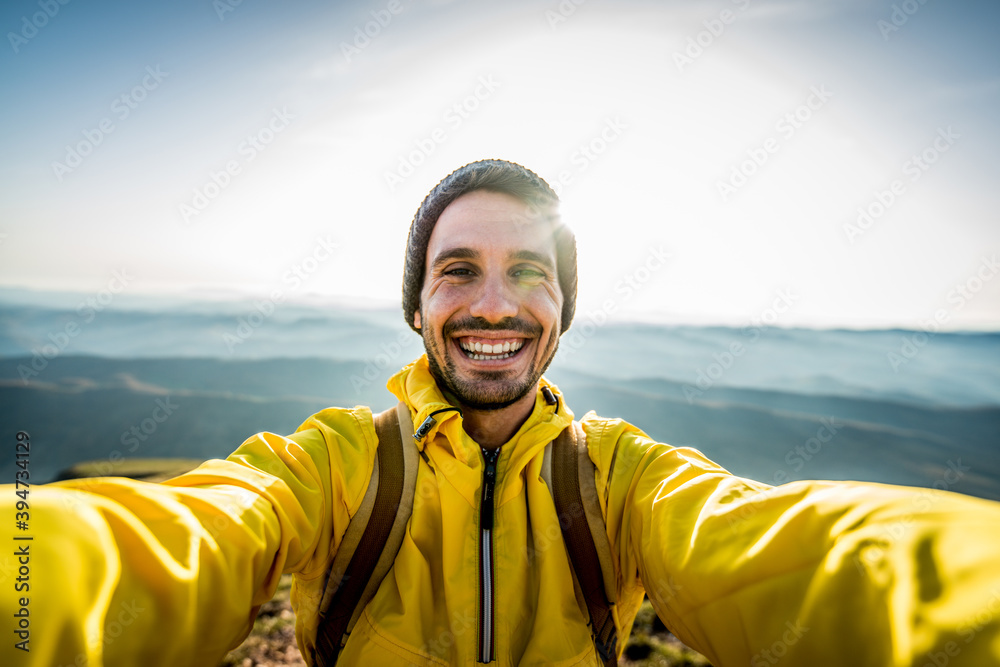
(712, 157)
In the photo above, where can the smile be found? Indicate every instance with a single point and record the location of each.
(486, 349)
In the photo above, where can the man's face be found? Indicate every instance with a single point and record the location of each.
(491, 305)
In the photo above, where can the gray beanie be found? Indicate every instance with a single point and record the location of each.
(495, 176)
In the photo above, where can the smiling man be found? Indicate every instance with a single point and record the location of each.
(809, 573)
(488, 299)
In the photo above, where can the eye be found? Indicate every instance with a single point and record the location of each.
(458, 272)
(529, 274)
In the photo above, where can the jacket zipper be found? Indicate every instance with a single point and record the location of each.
(486, 512)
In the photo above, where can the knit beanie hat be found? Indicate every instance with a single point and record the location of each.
(495, 176)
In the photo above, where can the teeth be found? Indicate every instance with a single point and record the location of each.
(492, 351)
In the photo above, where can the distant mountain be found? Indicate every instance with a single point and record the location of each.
(90, 408)
(771, 404)
(251, 330)
(777, 437)
(960, 369)
(955, 369)
(106, 409)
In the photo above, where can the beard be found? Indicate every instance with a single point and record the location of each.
(485, 390)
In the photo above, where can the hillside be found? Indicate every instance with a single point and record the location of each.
(102, 409)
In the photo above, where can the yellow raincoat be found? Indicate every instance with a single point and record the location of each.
(807, 574)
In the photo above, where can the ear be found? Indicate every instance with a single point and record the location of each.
(416, 319)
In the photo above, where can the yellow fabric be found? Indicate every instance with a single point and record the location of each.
(809, 573)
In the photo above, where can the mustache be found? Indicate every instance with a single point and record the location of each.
(481, 324)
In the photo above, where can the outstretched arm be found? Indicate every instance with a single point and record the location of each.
(130, 573)
(808, 573)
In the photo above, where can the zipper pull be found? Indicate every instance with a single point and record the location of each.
(428, 423)
(423, 429)
(489, 480)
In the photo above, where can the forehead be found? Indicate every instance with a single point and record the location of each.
(493, 224)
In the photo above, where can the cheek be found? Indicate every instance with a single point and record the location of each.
(550, 302)
(547, 312)
(438, 305)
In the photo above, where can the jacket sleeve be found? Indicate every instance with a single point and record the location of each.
(130, 573)
(807, 573)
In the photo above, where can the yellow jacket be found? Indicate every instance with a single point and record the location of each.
(808, 573)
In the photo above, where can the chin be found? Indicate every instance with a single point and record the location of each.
(491, 390)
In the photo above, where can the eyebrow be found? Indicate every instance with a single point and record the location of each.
(454, 253)
(532, 256)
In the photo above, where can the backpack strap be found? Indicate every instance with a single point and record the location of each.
(570, 474)
(373, 536)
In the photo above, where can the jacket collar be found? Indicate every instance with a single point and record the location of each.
(447, 439)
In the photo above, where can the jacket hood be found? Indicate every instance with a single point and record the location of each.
(457, 455)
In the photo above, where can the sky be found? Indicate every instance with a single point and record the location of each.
(798, 163)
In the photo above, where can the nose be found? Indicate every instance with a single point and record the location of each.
(494, 301)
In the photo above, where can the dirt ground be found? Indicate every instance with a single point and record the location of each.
(272, 641)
